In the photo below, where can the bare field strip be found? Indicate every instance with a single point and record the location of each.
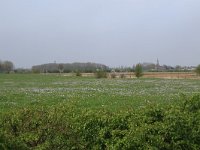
(171, 75)
(164, 75)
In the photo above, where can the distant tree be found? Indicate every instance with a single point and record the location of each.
(60, 68)
(177, 68)
(22, 70)
(1, 66)
(70, 67)
(138, 70)
(35, 70)
(197, 70)
(8, 66)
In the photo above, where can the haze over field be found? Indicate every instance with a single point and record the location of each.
(112, 32)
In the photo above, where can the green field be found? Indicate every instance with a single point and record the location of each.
(43, 112)
(113, 94)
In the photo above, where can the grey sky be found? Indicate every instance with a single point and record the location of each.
(112, 32)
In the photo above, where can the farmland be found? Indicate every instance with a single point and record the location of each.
(53, 111)
(87, 92)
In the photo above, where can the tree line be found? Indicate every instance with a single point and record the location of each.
(6, 66)
(69, 67)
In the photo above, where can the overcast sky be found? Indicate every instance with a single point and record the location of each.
(112, 32)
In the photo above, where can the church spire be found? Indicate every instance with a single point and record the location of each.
(157, 65)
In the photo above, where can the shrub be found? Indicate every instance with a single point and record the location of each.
(37, 128)
(35, 71)
(101, 74)
(78, 74)
(113, 75)
(138, 70)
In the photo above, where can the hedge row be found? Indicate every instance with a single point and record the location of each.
(65, 127)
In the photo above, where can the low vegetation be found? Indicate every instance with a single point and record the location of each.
(60, 112)
(67, 127)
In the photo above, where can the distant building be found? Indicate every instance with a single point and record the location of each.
(157, 66)
(147, 66)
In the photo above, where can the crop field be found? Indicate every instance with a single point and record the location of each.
(41, 112)
(17, 91)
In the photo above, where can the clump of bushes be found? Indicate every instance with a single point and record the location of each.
(37, 128)
(113, 75)
(67, 127)
(101, 74)
(78, 74)
(122, 75)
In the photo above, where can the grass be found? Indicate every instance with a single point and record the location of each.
(58, 112)
(17, 91)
